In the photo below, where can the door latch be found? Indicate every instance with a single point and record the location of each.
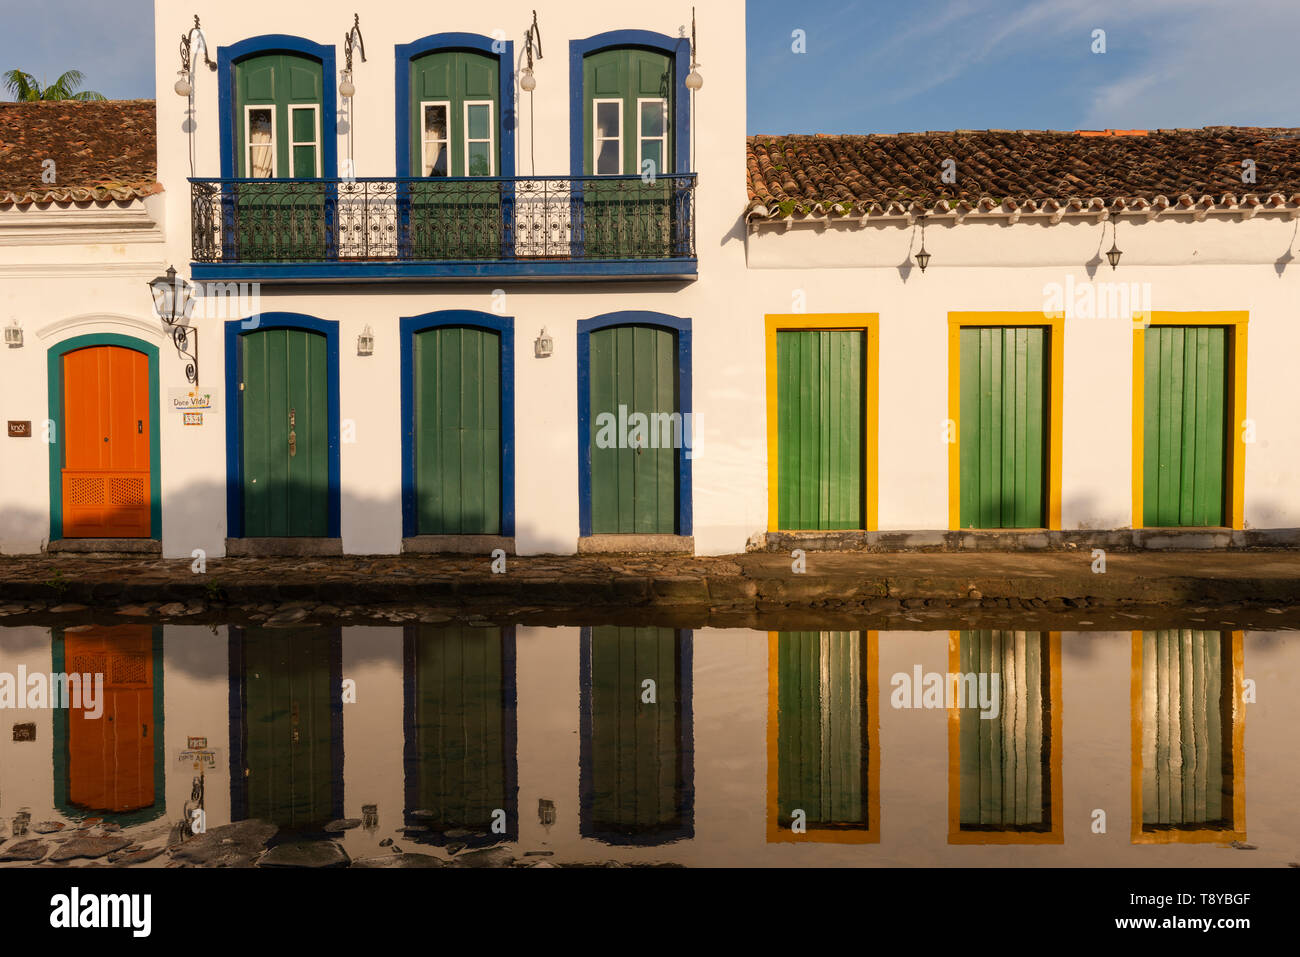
(293, 435)
(139, 426)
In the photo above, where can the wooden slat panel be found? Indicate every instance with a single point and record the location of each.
(1184, 420)
(1003, 396)
(821, 384)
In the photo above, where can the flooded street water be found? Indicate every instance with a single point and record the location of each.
(643, 745)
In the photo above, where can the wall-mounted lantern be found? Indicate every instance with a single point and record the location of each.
(693, 79)
(173, 301)
(544, 345)
(353, 41)
(923, 257)
(532, 39)
(14, 335)
(1113, 254)
(366, 342)
(184, 86)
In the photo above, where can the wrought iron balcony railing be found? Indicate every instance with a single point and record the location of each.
(516, 220)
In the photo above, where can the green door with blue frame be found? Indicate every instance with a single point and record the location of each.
(285, 411)
(455, 117)
(278, 119)
(635, 443)
(628, 103)
(457, 437)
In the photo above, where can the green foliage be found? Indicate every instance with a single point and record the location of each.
(25, 88)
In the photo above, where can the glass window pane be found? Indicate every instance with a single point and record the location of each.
(652, 150)
(607, 119)
(478, 121)
(435, 122)
(304, 161)
(261, 158)
(435, 158)
(608, 160)
(652, 118)
(480, 163)
(304, 126)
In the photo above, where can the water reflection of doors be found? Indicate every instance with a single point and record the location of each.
(286, 739)
(1189, 772)
(823, 770)
(113, 762)
(1004, 761)
(461, 768)
(637, 775)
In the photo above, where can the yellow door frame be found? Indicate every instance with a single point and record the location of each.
(865, 322)
(1056, 374)
(1055, 780)
(838, 835)
(1236, 322)
(1237, 831)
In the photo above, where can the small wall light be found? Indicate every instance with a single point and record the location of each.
(532, 39)
(366, 342)
(543, 346)
(173, 301)
(14, 335)
(923, 257)
(693, 79)
(353, 40)
(1113, 254)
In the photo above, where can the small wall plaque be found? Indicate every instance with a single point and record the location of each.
(25, 732)
(193, 742)
(20, 430)
(193, 418)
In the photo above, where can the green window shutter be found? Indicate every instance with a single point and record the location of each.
(636, 775)
(460, 726)
(822, 744)
(1185, 389)
(1003, 427)
(458, 431)
(1187, 771)
(634, 490)
(286, 484)
(287, 728)
(453, 221)
(821, 384)
(1005, 778)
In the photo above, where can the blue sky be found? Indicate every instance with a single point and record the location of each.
(877, 65)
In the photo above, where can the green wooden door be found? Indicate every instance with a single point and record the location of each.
(636, 757)
(455, 118)
(288, 759)
(278, 134)
(1184, 429)
(822, 744)
(628, 130)
(1187, 772)
(1005, 759)
(458, 431)
(1003, 427)
(285, 433)
(460, 727)
(821, 383)
(633, 373)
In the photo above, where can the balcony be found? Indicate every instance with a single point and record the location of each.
(540, 227)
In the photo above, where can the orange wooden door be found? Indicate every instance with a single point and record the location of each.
(111, 758)
(106, 428)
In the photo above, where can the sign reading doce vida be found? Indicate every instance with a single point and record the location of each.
(192, 400)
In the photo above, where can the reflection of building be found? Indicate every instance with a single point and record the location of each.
(460, 763)
(1189, 771)
(111, 766)
(823, 752)
(637, 760)
(286, 732)
(1005, 760)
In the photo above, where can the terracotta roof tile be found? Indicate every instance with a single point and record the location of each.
(1004, 171)
(101, 150)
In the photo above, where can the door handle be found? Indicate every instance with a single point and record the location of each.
(293, 435)
(139, 426)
